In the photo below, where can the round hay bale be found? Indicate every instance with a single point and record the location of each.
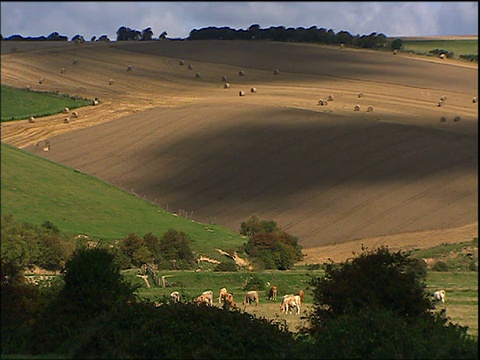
(31, 119)
(226, 85)
(322, 102)
(74, 114)
(110, 82)
(181, 62)
(66, 120)
(356, 108)
(443, 119)
(198, 76)
(442, 56)
(40, 81)
(95, 102)
(276, 72)
(360, 95)
(395, 52)
(457, 118)
(443, 98)
(66, 110)
(241, 93)
(342, 45)
(241, 73)
(253, 90)
(63, 71)
(440, 103)
(330, 98)
(75, 62)
(190, 67)
(370, 109)
(28, 88)
(224, 78)
(475, 100)
(129, 68)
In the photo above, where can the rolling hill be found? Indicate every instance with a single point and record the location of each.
(334, 177)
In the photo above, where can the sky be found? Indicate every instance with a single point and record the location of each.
(396, 18)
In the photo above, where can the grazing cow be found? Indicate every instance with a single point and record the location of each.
(272, 294)
(284, 303)
(223, 291)
(203, 299)
(209, 295)
(228, 301)
(291, 302)
(251, 297)
(439, 296)
(301, 294)
(175, 296)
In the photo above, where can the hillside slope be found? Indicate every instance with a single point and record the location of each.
(327, 174)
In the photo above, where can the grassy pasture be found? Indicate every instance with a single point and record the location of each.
(458, 47)
(35, 190)
(461, 288)
(20, 104)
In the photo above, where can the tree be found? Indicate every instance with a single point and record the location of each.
(93, 38)
(104, 38)
(163, 36)
(397, 44)
(175, 246)
(147, 34)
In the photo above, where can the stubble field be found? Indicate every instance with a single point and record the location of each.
(334, 177)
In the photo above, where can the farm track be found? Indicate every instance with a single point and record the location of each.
(331, 176)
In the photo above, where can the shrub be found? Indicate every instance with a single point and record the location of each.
(226, 266)
(440, 265)
(254, 282)
(397, 44)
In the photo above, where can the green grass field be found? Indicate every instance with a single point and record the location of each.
(458, 47)
(20, 104)
(35, 190)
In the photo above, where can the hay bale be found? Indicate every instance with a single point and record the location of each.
(443, 119)
(475, 100)
(74, 114)
(457, 118)
(28, 88)
(322, 102)
(40, 81)
(356, 108)
(66, 120)
(370, 109)
(190, 67)
(75, 62)
(241, 93)
(31, 119)
(66, 110)
(129, 68)
(440, 103)
(181, 62)
(395, 52)
(226, 85)
(63, 71)
(360, 95)
(241, 73)
(253, 90)
(342, 45)
(442, 56)
(443, 98)
(110, 82)
(330, 98)
(276, 72)
(224, 78)
(198, 76)
(95, 102)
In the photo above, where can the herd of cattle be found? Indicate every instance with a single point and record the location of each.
(289, 302)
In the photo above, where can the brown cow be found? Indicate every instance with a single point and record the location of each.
(251, 297)
(272, 294)
(223, 291)
(301, 294)
(202, 299)
(228, 301)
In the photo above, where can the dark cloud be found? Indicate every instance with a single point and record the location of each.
(179, 18)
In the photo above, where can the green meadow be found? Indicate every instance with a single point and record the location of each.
(458, 47)
(20, 104)
(36, 190)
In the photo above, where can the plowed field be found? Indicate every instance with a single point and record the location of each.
(334, 177)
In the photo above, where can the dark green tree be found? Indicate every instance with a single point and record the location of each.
(397, 44)
(147, 34)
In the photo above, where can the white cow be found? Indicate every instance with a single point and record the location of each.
(439, 296)
(209, 295)
(175, 296)
(223, 292)
(291, 301)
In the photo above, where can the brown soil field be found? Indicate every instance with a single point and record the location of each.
(334, 177)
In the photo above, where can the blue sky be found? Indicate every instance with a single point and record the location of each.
(98, 18)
